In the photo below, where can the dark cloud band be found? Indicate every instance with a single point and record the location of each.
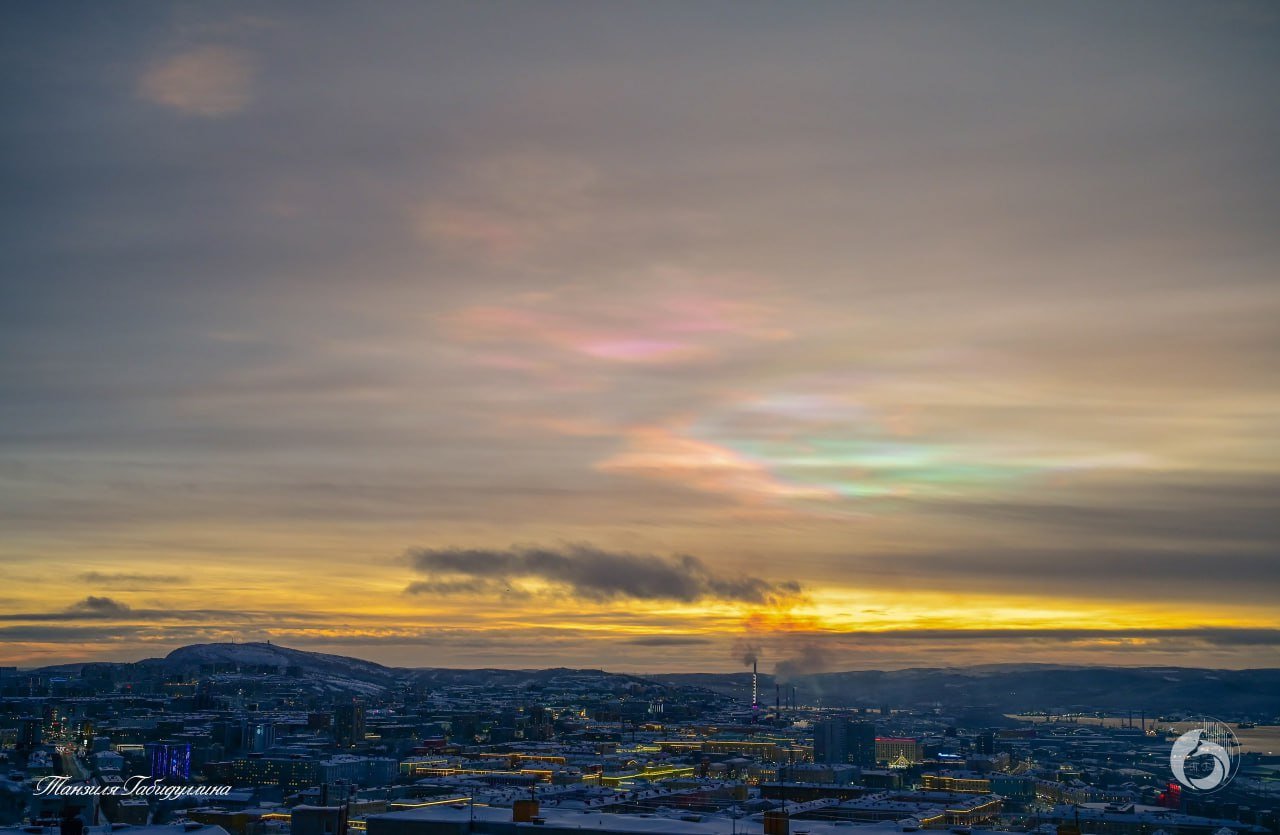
(591, 573)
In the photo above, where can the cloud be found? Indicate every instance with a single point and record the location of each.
(1225, 509)
(100, 607)
(594, 574)
(1215, 635)
(206, 81)
(95, 607)
(511, 206)
(41, 634)
(672, 317)
(445, 587)
(665, 454)
(123, 578)
(1198, 572)
(156, 639)
(90, 608)
(668, 641)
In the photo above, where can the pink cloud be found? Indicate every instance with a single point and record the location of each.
(640, 350)
(518, 326)
(659, 453)
(576, 324)
(206, 81)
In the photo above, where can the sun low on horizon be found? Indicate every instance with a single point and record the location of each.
(643, 337)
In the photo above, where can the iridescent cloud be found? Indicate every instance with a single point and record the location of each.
(665, 454)
(804, 446)
(642, 328)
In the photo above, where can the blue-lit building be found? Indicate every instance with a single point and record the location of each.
(170, 760)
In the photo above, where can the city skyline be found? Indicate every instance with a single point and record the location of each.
(645, 337)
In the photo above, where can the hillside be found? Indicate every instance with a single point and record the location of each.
(1025, 687)
(988, 689)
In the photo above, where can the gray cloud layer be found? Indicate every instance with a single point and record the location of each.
(96, 607)
(592, 573)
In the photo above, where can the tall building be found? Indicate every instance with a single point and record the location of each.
(52, 724)
(539, 726)
(259, 737)
(30, 732)
(862, 744)
(829, 741)
(844, 741)
(170, 760)
(348, 724)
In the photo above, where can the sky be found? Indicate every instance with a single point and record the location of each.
(643, 336)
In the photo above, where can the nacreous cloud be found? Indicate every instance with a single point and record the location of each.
(589, 573)
(207, 81)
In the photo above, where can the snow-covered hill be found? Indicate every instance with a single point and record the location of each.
(273, 655)
(331, 672)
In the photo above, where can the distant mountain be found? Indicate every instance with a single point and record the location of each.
(441, 676)
(332, 672)
(1024, 687)
(321, 672)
